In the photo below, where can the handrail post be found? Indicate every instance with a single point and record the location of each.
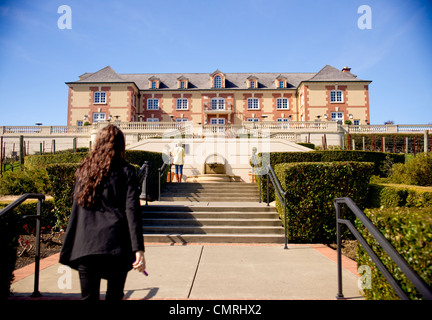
(36, 292)
(259, 184)
(268, 193)
(286, 226)
(159, 184)
(339, 253)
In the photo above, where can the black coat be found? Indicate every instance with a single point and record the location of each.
(114, 228)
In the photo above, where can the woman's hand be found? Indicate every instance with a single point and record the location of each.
(139, 263)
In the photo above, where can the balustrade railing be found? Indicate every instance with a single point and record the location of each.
(188, 127)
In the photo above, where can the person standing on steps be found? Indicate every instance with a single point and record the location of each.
(104, 237)
(178, 155)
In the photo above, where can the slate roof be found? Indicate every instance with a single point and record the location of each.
(201, 81)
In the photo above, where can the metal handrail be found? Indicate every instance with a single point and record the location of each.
(281, 195)
(416, 280)
(13, 205)
(279, 190)
(160, 170)
(143, 174)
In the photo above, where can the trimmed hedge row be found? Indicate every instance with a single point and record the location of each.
(378, 158)
(47, 159)
(409, 230)
(390, 195)
(311, 189)
(62, 180)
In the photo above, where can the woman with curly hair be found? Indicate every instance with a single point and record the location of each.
(104, 238)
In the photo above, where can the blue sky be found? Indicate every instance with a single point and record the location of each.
(131, 36)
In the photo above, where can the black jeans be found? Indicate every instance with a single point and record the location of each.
(94, 268)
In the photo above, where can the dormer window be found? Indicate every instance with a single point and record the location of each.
(281, 82)
(252, 82)
(217, 80)
(154, 83)
(182, 82)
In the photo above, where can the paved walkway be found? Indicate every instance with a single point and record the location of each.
(212, 271)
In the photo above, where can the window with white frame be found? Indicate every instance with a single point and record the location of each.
(99, 97)
(281, 84)
(356, 122)
(336, 96)
(337, 116)
(218, 82)
(282, 119)
(252, 84)
(253, 103)
(218, 104)
(182, 104)
(181, 120)
(282, 103)
(152, 104)
(98, 117)
(220, 121)
(152, 119)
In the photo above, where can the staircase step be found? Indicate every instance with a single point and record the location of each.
(209, 215)
(205, 208)
(213, 238)
(179, 229)
(147, 222)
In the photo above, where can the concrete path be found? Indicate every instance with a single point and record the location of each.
(213, 271)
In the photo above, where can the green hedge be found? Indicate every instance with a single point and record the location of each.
(416, 171)
(27, 180)
(311, 189)
(47, 159)
(62, 178)
(380, 159)
(390, 195)
(409, 230)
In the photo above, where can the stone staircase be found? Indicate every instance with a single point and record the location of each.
(211, 213)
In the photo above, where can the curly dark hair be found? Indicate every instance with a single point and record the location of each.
(109, 147)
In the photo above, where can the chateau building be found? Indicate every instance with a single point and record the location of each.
(219, 98)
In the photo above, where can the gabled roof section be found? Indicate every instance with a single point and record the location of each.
(329, 73)
(216, 72)
(106, 74)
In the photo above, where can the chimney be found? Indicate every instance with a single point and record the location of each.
(346, 69)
